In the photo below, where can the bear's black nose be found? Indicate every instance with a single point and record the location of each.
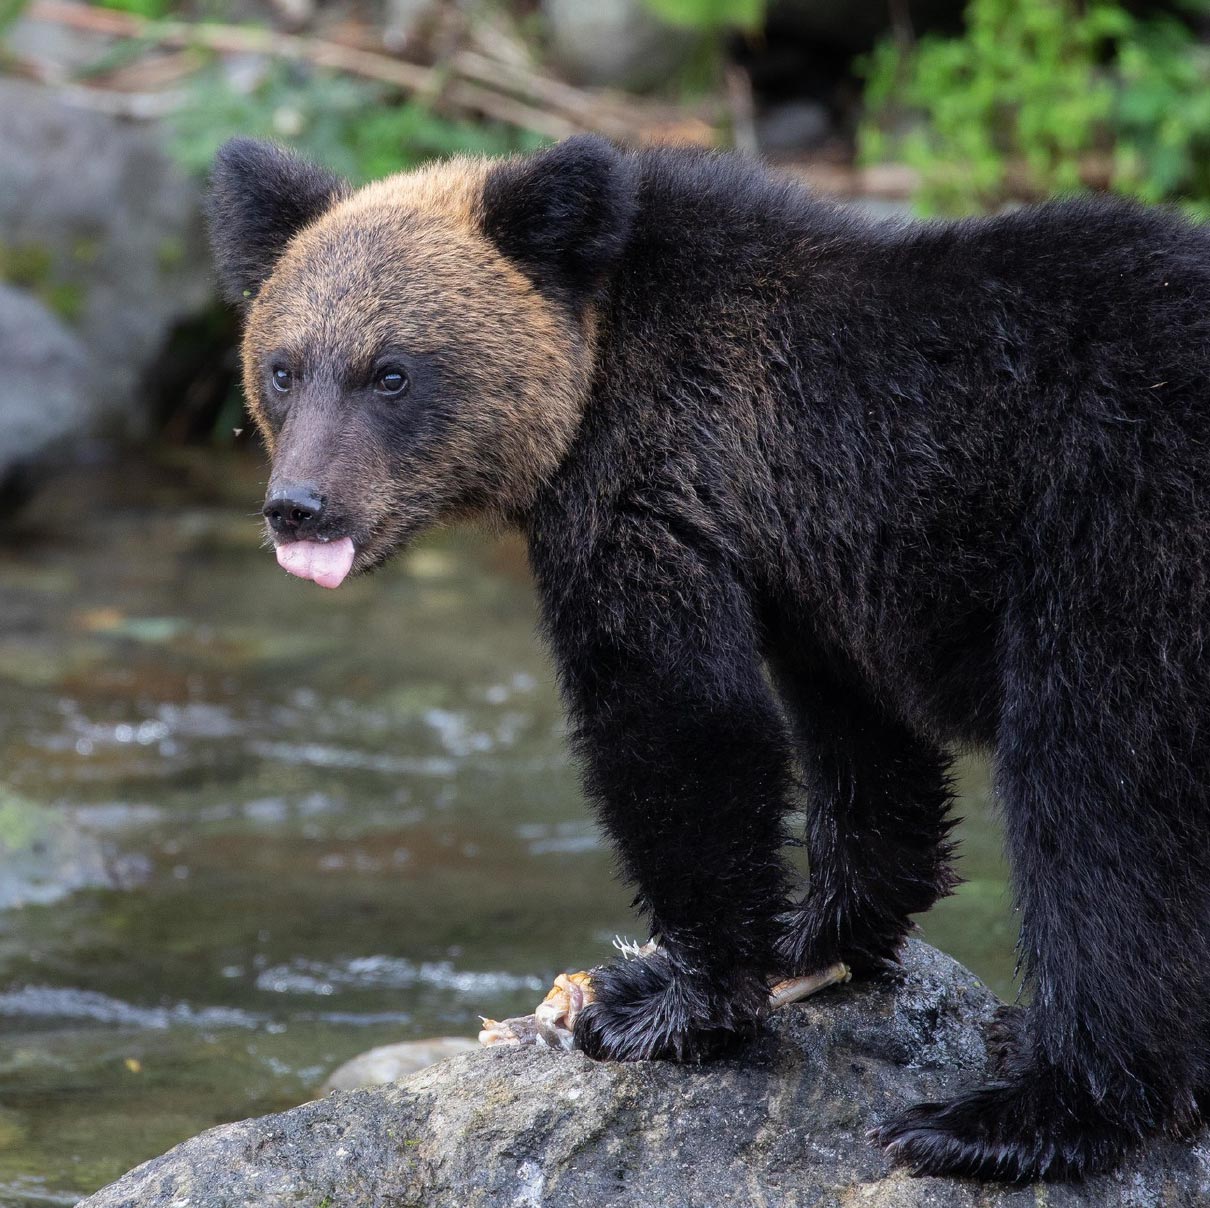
(294, 510)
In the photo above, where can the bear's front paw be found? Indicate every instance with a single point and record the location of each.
(645, 1009)
(1012, 1132)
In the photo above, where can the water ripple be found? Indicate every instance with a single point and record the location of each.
(364, 972)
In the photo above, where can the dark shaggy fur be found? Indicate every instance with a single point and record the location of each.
(563, 218)
(258, 203)
(846, 496)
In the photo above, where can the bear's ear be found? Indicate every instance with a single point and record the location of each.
(563, 215)
(260, 197)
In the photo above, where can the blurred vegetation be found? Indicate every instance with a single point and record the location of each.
(1031, 98)
(140, 8)
(361, 130)
(710, 14)
(365, 130)
(715, 22)
(1039, 97)
(364, 127)
(31, 266)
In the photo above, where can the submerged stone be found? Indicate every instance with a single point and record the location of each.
(394, 1062)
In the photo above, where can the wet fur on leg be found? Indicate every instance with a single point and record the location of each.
(1008, 1042)
(993, 1133)
(1038, 1126)
(1031, 1122)
(648, 1009)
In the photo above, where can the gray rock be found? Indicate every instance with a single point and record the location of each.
(98, 221)
(782, 1125)
(614, 42)
(394, 1062)
(792, 126)
(65, 52)
(46, 376)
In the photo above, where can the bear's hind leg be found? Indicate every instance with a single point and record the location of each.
(877, 830)
(1106, 806)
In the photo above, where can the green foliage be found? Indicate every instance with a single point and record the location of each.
(712, 21)
(152, 9)
(357, 129)
(403, 135)
(1162, 149)
(10, 10)
(1036, 95)
(30, 266)
(710, 14)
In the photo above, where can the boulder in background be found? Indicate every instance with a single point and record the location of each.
(101, 226)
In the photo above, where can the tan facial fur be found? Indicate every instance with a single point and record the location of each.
(403, 262)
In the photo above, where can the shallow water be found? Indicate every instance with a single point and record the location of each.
(249, 828)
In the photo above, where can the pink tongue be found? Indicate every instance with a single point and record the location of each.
(326, 562)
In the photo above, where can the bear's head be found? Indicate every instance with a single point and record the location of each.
(419, 349)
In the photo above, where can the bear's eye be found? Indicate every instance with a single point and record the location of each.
(283, 380)
(391, 382)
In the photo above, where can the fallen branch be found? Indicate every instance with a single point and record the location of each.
(470, 80)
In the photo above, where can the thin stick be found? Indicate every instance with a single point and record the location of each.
(795, 989)
(743, 110)
(470, 79)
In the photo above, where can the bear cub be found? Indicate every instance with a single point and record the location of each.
(812, 501)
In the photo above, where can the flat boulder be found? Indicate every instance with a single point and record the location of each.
(782, 1125)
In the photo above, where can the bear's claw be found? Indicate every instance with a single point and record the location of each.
(1004, 1132)
(648, 1009)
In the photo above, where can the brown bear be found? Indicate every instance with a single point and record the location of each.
(810, 499)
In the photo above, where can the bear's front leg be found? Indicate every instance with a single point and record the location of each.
(692, 793)
(646, 1009)
(685, 755)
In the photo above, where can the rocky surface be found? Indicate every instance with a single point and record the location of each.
(45, 387)
(619, 43)
(99, 224)
(781, 1124)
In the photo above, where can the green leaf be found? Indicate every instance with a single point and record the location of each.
(710, 14)
(153, 9)
(10, 10)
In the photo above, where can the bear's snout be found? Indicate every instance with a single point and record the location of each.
(294, 510)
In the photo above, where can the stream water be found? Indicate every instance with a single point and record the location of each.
(249, 828)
